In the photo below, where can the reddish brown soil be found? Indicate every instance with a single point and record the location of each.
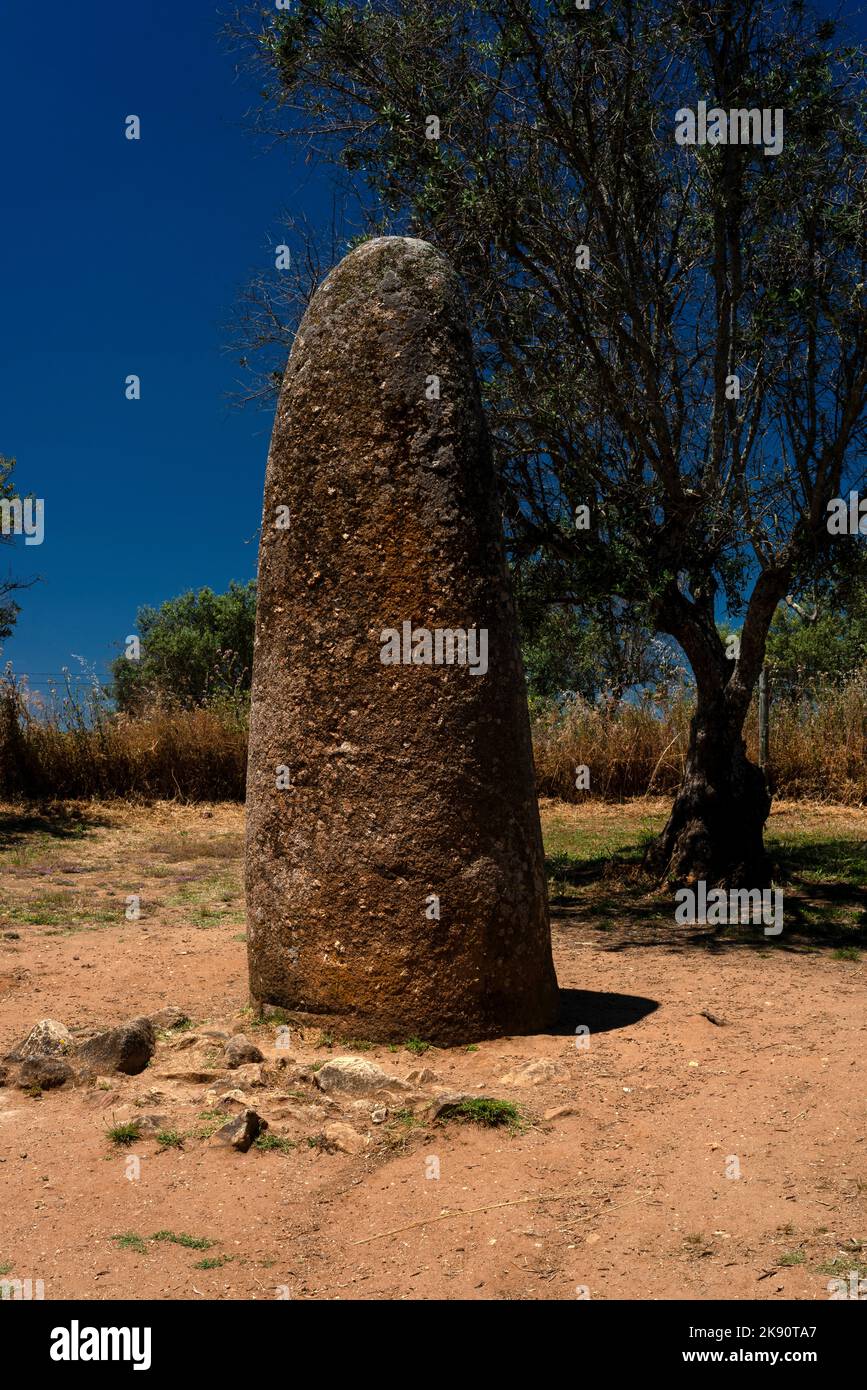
(626, 1196)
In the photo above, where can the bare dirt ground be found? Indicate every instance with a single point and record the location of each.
(709, 1143)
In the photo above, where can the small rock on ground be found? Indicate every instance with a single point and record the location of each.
(421, 1076)
(47, 1039)
(126, 1049)
(45, 1072)
(560, 1112)
(239, 1132)
(356, 1076)
(344, 1138)
(535, 1072)
(240, 1050)
(169, 1017)
(152, 1124)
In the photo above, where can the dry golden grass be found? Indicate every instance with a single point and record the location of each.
(192, 755)
(626, 749)
(818, 750)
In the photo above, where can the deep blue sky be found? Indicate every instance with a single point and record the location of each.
(121, 257)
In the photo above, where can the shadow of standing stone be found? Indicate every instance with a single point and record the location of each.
(395, 875)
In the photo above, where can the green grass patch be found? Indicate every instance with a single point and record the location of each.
(406, 1118)
(68, 911)
(211, 890)
(273, 1018)
(569, 844)
(842, 1265)
(212, 1120)
(125, 1134)
(130, 1241)
(170, 1139)
(273, 1143)
(595, 874)
(166, 1034)
(482, 1110)
(204, 917)
(213, 1262)
(815, 857)
(181, 1238)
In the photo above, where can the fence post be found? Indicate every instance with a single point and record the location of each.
(763, 718)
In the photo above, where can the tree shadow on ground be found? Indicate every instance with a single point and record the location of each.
(599, 1012)
(830, 859)
(613, 903)
(19, 826)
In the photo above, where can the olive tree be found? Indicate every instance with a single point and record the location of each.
(658, 213)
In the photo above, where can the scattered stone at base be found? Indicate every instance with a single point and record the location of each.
(229, 1100)
(149, 1125)
(195, 1078)
(126, 1049)
(169, 1017)
(47, 1039)
(535, 1072)
(44, 1072)
(249, 1074)
(239, 1132)
(421, 1076)
(344, 1138)
(240, 1050)
(356, 1076)
(560, 1112)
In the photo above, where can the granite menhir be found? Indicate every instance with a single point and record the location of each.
(395, 873)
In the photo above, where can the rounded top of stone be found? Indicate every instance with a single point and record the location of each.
(393, 247)
(389, 284)
(390, 264)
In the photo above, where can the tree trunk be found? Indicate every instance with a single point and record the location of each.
(715, 828)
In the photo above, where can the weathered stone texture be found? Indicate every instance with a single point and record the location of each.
(405, 780)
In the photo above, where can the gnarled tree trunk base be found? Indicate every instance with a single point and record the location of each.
(715, 828)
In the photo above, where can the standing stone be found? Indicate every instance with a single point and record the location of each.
(395, 872)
